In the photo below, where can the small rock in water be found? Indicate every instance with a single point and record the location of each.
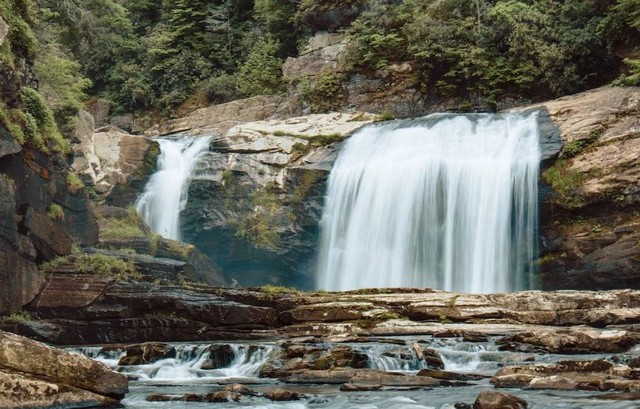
(354, 387)
(241, 389)
(147, 353)
(222, 396)
(418, 349)
(433, 358)
(282, 395)
(498, 400)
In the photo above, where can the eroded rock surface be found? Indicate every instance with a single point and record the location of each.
(38, 376)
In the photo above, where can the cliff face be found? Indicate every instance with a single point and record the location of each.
(591, 231)
(42, 208)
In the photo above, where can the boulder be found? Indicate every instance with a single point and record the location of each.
(42, 376)
(110, 157)
(325, 52)
(220, 356)
(498, 400)
(280, 395)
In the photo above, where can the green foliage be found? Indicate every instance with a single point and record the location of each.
(119, 228)
(261, 73)
(21, 316)
(573, 148)
(276, 289)
(21, 40)
(325, 93)
(566, 182)
(260, 226)
(74, 183)
(632, 78)
(55, 212)
(40, 124)
(99, 264)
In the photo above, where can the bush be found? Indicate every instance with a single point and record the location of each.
(55, 212)
(42, 118)
(74, 183)
(99, 264)
(261, 73)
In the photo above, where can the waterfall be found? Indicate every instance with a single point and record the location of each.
(447, 202)
(165, 195)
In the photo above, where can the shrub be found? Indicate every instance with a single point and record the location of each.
(261, 73)
(55, 212)
(74, 183)
(99, 264)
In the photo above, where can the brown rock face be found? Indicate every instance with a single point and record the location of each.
(147, 353)
(591, 228)
(498, 400)
(41, 375)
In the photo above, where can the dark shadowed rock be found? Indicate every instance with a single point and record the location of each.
(50, 239)
(220, 356)
(433, 358)
(222, 396)
(498, 400)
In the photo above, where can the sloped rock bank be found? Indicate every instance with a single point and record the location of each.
(81, 309)
(34, 375)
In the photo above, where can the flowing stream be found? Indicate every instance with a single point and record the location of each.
(165, 195)
(187, 373)
(446, 201)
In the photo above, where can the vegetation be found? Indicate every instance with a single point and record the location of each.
(99, 264)
(126, 227)
(566, 182)
(74, 183)
(55, 212)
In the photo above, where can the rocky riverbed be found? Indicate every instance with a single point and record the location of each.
(367, 348)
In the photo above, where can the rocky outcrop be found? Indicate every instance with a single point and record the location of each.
(495, 399)
(324, 53)
(590, 227)
(116, 163)
(255, 209)
(84, 308)
(598, 375)
(35, 375)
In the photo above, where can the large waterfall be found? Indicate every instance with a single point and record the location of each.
(447, 201)
(165, 194)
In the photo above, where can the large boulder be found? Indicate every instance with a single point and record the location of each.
(110, 158)
(35, 375)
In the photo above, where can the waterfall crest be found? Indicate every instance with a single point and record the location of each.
(165, 195)
(447, 201)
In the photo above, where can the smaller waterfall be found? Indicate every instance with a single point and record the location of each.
(165, 195)
(188, 363)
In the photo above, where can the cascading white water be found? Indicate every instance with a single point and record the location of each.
(165, 194)
(448, 202)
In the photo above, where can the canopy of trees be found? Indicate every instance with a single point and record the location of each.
(143, 54)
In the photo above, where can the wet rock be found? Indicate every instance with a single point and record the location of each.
(241, 389)
(433, 358)
(466, 335)
(573, 341)
(583, 375)
(498, 400)
(220, 356)
(222, 396)
(450, 376)
(147, 353)
(42, 376)
(618, 396)
(282, 395)
(371, 377)
(331, 376)
(354, 387)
